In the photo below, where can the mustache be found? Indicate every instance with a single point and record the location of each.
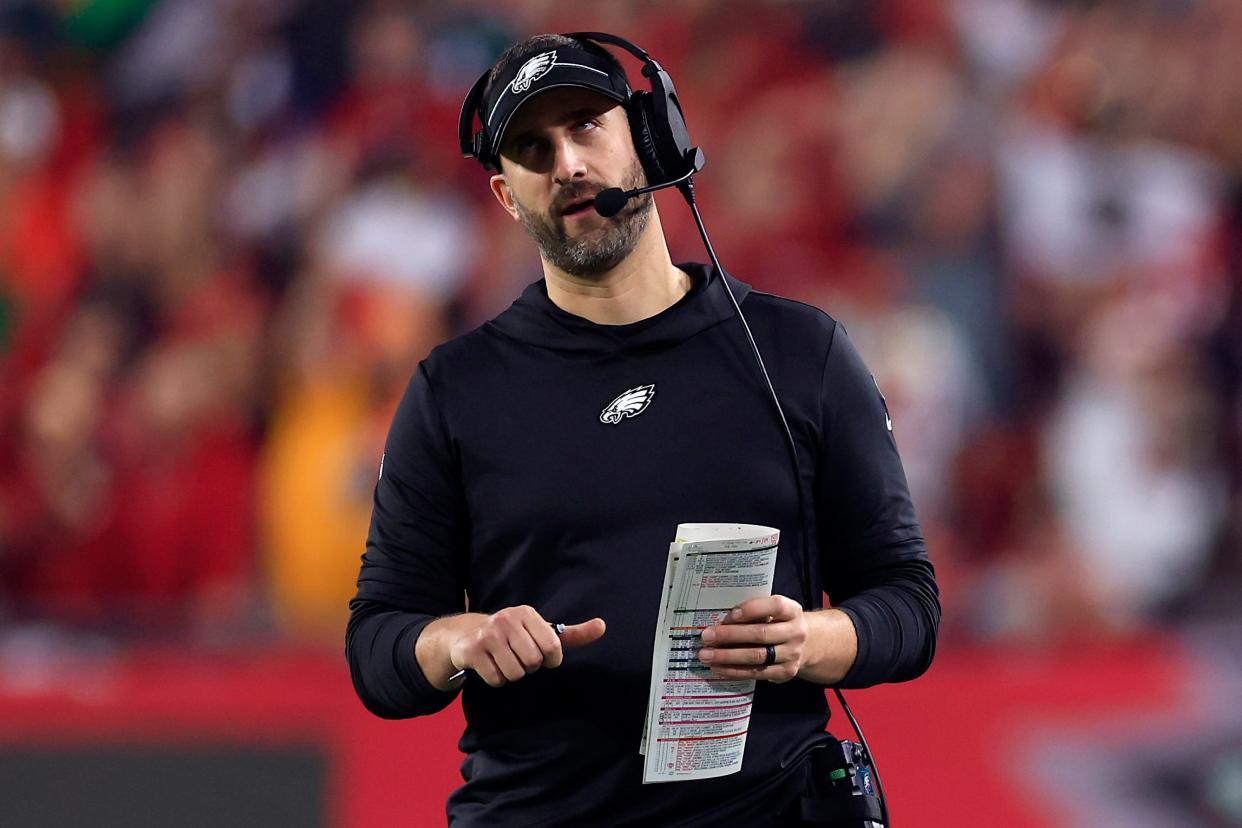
(574, 193)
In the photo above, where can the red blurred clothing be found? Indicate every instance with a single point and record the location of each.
(170, 530)
(141, 509)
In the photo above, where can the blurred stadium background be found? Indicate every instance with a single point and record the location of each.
(229, 229)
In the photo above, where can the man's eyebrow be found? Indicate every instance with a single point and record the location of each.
(515, 137)
(584, 112)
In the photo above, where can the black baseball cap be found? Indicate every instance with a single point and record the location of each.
(552, 69)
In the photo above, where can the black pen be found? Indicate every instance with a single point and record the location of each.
(559, 628)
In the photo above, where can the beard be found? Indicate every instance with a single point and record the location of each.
(598, 249)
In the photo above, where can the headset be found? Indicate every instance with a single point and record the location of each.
(657, 123)
(669, 158)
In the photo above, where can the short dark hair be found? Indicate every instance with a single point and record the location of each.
(531, 46)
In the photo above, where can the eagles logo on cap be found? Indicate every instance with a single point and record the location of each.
(532, 70)
(574, 67)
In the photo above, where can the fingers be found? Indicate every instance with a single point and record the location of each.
(742, 656)
(751, 662)
(777, 673)
(776, 607)
(509, 665)
(578, 635)
(737, 647)
(517, 641)
(546, 639)
(507, 646)
(528, 651)
(488, 671)
(731, 635)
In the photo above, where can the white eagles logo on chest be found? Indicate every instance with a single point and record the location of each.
(532, 70)
(630, 404)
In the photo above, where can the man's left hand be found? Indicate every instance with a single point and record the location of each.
(736, 648)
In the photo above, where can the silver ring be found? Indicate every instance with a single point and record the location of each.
(771, 658)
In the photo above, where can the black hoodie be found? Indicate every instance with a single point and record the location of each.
(502, 482)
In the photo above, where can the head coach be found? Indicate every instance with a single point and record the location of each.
(538, 466)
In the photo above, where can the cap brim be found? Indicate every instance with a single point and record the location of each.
(509, 104)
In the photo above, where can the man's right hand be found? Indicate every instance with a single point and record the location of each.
(502, 647)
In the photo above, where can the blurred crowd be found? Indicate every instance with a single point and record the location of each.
(229, 229)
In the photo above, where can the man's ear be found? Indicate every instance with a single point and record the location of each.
(500, 189)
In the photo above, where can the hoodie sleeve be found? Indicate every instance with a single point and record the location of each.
(872, 555)
(412, 570)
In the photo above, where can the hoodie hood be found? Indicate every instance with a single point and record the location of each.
(534, 319)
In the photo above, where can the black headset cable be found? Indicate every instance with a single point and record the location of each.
(687, 190)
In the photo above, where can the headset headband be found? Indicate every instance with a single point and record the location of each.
(570, 66)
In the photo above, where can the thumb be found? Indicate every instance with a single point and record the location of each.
(577, 635)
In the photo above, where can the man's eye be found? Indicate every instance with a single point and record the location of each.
(525, 145)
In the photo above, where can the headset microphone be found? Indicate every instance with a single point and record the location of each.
(609, 202)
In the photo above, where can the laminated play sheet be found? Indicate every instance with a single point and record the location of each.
(696, 723)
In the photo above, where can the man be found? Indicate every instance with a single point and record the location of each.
(509, 488)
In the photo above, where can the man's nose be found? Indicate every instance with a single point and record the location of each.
(569, 163)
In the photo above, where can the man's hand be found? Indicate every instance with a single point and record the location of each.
(736, 648)
(517, 641)
(502, 647)
(819, 646)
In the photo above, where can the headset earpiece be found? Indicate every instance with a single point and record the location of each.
(657, 123)
(470, 141)
(665, 138)
(638, 110)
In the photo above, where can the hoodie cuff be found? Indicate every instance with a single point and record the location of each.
(858, 674)
(411, 672)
